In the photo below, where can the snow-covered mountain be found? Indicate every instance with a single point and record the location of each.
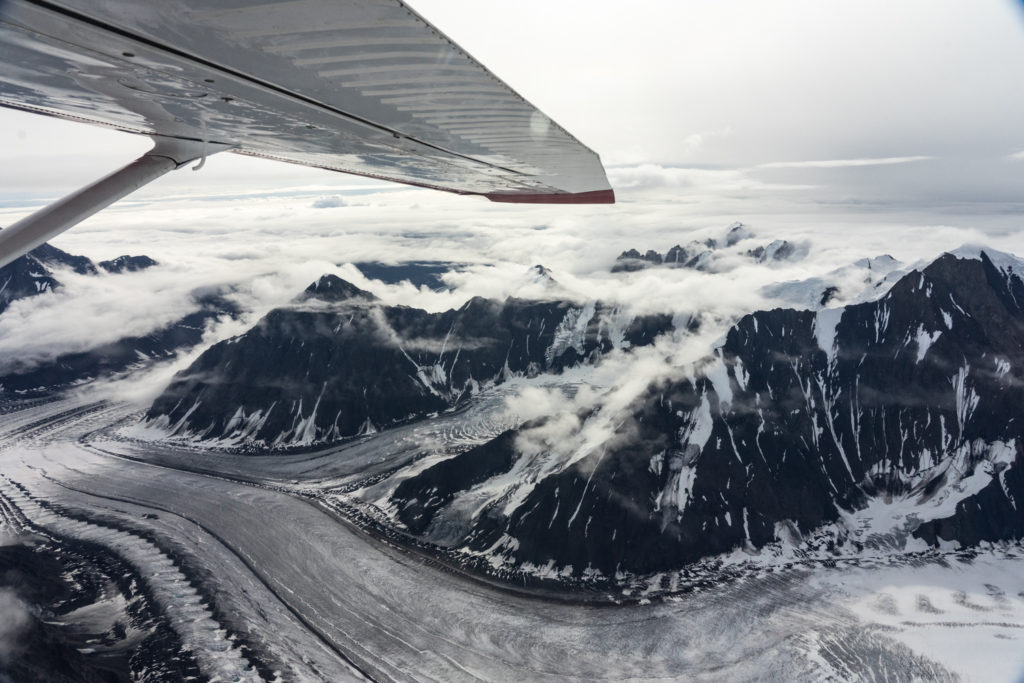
(339, 363)
(703, 255)
(863, 280)
(894, 423)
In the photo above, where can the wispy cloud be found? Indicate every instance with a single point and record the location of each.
(845, 163)
(331, 202)
(1016, 156)
(706, 180)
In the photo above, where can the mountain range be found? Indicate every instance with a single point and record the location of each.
(339, 363)
(703, 255)
(32, 274)
(892, 424)
(888, 424)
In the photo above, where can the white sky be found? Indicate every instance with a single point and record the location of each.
(721, 84)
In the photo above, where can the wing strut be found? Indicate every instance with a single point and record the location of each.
(166, 155)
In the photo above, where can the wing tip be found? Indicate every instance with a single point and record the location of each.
(593, 197)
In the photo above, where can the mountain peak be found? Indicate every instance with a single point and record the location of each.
(30, 275)
(778, 250)
(333, 288)
(127, 263)
(737, 232)
(1000, 259)
(542, 275)
(52, 256)
(883, 263)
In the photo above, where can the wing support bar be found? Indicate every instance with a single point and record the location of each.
(167, 154)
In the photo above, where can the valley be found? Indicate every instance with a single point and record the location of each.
(336, 602)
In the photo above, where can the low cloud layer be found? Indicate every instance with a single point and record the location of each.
(843, 163)
(262, 249)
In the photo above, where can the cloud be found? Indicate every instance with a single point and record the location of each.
(14, 619)
(142, 386)
(264, 250)
(715, 85)
(534, 402)
(1016, 156)
(389, 336)
(845, 163)
(702, 180)
(92, 310)
(332, 202)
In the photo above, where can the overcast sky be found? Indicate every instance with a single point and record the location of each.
(854, 128)
(779, 93)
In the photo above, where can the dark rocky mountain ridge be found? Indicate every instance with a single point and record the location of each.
(32, 274)
(127, 264)
(894, 423)
(339, 363)
(779, 250)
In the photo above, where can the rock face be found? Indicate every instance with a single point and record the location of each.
(736, 233)
(779, 250)
(53, 256)
(127, 264)
(31, 275)
(697, 255)
(895, 422)
(62, 599)
(632, 260)
(339, 363)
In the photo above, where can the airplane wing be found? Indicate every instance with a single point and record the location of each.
(359, 86)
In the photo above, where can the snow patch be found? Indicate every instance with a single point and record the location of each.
(924, 341)
(825, 323)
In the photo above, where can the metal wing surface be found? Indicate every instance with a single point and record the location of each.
(359, 86)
